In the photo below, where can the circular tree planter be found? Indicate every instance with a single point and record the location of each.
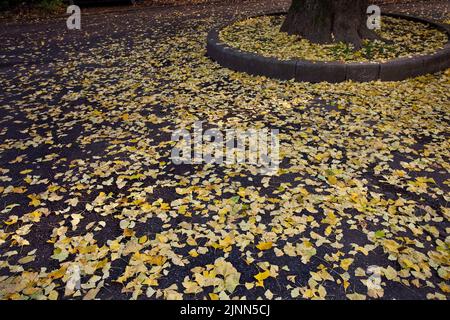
(318, 71)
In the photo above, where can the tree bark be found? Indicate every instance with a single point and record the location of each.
(327, 21)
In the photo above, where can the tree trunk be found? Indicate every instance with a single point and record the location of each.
(326, 21)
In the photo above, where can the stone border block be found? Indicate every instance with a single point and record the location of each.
(314, 72)
(401, 69)
(363, 72)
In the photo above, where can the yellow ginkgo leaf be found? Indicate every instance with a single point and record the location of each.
(19, 189)
(12, 220)
(345, 263)
(143, 239)
(213, 296)
(332, 180)
(262, 276)
(34, 200)
(264, 245)
(193, 253)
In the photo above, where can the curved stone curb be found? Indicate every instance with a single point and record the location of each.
(334, 72)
